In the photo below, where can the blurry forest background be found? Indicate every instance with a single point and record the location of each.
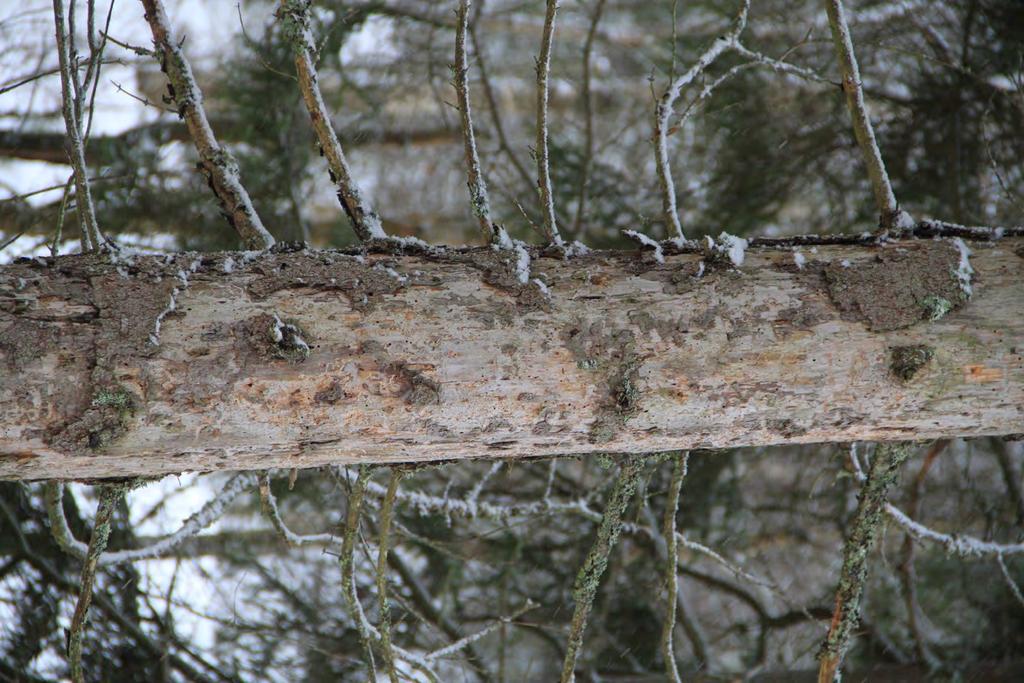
(495, 547)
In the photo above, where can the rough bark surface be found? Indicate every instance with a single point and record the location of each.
(154, 365)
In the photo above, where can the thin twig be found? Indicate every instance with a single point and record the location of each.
(589, 578)
(294, 16)
(478, 198)
(890, 217)
(386, 514)
(215, 162)
(90, 231)
(663, 114)
(671, 580)
(588, 118)
(347, 560)
(547, 200)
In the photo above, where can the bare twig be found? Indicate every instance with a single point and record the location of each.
(75, 146)
(110, 496)
(294, 15)
(215, 162)
(589, 578)
(908, 577)
(890, 217)
(347, 560)
(478, 198)
(588, 118)
(547, 200)
(269, 504)
(663, 114)
(864, 529)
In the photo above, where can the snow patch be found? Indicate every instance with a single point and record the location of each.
(964, 271)
(646, 241)
(731, 245)
(172, 305)
(522, 262)
(799, 260)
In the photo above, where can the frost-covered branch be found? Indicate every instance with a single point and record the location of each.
(663, 114)
(493, 233)
(463, 643)
(864, 528)
(210, 512)
(110, 496)
(215, 162)
(890, 218)
(294, 16)
(547, 200)
(74, 144)
(589, 578)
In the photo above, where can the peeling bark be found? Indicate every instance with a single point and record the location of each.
(311, 357)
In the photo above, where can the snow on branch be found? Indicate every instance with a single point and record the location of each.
(269, 504)
(664, 110)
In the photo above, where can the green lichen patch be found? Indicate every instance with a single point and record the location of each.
(899, 287)
(108, 416)
(907, 361)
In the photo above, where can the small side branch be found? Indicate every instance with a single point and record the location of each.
(664, 111)
(215, 162)
(547, 200)
(478, 197)
(110, 496)
(890, 216)
(589, 578)
(74, 145)
(863, 530)
(294, 16)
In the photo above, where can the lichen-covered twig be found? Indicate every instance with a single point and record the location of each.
(671, 581)
(215, 162)
(386, 514)
(347, 561)
(547, 200)
(110, 496)
(294, 16)
(478, 197)
(856, 550)
(75, 147)
(890, 217)
(664, 110)
(589, 578)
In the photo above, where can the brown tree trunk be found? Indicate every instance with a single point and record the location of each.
(153, 365)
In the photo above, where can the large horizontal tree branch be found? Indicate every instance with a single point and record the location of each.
(271, 359)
